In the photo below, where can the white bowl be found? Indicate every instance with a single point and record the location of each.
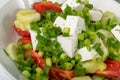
(8, 10)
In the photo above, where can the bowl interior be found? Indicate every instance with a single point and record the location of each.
(8, 10)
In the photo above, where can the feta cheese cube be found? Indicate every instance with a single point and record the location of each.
(68, 44)
(96, 15)
(73, 4)
(33, 35)
(58, 1)
(76, 24)
(116, 32)
(60, 22)
(87, 55)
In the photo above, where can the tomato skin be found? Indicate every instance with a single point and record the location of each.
(25, 40)
(60, 74)
(112, 70)
(39, 61)
(22, 33)
(41, 7)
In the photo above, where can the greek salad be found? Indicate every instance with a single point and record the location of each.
(66, 40)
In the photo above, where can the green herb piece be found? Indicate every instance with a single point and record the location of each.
(39, 70)
(80, 36)
(41, 53)
(6, 52)
(26, 73)
(27, 46)
(87, 42)
(100, 35)
(78, 1)
(35, 27)
(66, 31)
(100, 52)
(77, 57)
(97, 45)
(68, 66)
(48, 61)
(79, 70)
(63, 56)
(108, 20)
(90, 6)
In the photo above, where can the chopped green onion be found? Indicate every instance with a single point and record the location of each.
(54, 59)
(63, 56)
(35, 27)
(80, 36)
(40, 53)
(79, 70)
(85, 1)
(39, 70)
(100, 35)
(66, 31)
(48, 61)
(78, 57)
(88, 48)
(100, 52)
(68, 66)
(27, 46)
(87, 42)
(97, 45)
(73, 62)
(90, 6)
(26, 73)
(78, 1)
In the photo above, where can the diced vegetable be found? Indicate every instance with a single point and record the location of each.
(26, 16)
(44, 6)
(70, 41)
(108, 20)
(97, 77)
(93, 66)
(26, 74)
(81, 78)
(11, 50)
(112, 69)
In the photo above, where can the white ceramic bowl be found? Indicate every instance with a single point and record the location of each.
(8, 9)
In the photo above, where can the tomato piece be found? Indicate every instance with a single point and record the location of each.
(39, 61)
(22, 33)
(25, 40)
(60, 74)
(112, 70)
(41, 7)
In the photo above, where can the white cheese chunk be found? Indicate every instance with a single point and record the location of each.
(60, 22)
(57, 1)
(87, 55)
(33, 35)
(73, 4)
(116, 32)
(76, 24)
(68, 44)
(96, 15)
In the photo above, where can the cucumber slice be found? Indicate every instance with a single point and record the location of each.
(26, 16)
(21, 26)
(106, 33)
(108, 19)
(103, 47)
(82, 78)
(93, 66)
(96, 77)
(11, 50)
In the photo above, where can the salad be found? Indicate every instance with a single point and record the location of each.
(66, 40)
